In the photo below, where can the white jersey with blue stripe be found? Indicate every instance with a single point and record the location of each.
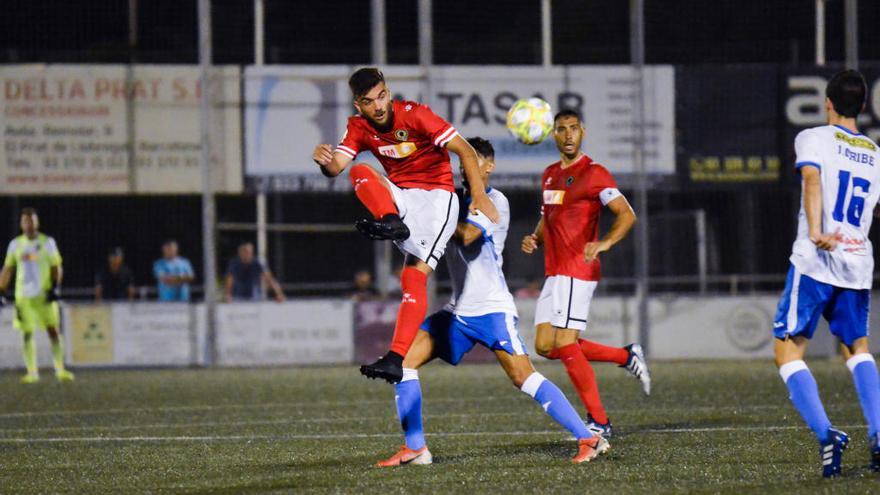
(849, 164)
(478, 284)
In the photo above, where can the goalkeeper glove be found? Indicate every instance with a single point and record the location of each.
(53, 294)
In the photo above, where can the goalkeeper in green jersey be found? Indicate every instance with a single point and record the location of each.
(35, 259)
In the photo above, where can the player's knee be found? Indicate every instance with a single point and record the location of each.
(361, 171)
(28, 336)
(544, 348)
(53, 333)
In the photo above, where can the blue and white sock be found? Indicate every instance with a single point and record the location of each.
(555, 404)
(408, 398)
(804, 394)
(864, 372)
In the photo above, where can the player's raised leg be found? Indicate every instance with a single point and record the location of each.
(523, 375)
(631, 358)
(374, 193)
(408, 400)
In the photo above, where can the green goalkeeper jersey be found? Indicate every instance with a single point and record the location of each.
(33, 260)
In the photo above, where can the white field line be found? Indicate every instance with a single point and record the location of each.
(300, 405)
(349, 436)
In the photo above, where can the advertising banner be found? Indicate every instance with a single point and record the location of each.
(729, 124)
(290, 109)
(315, 331)
(67, 129)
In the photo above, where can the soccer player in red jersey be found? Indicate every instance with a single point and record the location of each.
(414, 204)
(574, 190)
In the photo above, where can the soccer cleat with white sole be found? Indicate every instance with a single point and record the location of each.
(407, 456)
(638, 366)
(831, 453)
(590, 448)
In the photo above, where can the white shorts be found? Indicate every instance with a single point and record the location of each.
(431, 217)
(565, 302)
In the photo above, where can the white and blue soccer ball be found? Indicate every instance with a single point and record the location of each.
(530, 120)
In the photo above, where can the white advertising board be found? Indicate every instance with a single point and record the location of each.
(66, 129)
(294, 332)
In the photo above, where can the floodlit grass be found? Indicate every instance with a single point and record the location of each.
(709, 427)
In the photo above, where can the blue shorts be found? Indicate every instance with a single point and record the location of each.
(804, 299)
(455, 335)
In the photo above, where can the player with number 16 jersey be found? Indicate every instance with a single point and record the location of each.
(832, 266)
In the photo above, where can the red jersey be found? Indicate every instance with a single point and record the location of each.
(572, 200)
(413, 152)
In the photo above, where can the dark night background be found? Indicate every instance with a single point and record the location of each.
(689, 34)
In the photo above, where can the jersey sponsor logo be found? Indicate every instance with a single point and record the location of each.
(401, 150)
(401, 134)
(855, 141)
(553, 197)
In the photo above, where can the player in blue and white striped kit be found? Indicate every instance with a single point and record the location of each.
(832, 265)
(481, 311)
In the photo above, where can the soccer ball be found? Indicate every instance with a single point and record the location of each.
(530, 120)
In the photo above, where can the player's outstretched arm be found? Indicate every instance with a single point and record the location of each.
(331, 164)
(624, 220)
(812, 187)
(531, 242)
(479, 199)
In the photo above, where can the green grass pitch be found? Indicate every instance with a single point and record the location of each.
(709, 427)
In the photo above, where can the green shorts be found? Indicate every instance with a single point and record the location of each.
(34, 312)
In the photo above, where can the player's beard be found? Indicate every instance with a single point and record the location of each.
(389, 122)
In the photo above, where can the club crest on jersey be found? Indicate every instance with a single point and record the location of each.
(569, 181)
(401, 150)
(553, 197)
(401, 134)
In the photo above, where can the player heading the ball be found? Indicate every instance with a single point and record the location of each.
(414, 204)
(832, 265)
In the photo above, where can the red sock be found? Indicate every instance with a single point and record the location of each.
(595, 351)
(554, 354)
(370, 190)
(413, 306)
(584, 380)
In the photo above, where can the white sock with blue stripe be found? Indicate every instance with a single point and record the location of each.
(867, 381)
(804, 394)
(555, 404)
(408, 399)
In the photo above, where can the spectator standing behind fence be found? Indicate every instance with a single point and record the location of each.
(173, 274)
(115, 282)
(245, 277)
(363, 287)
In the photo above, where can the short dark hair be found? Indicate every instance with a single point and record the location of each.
(567, 112)
(847, 91)
(363, 80)
(482, 146)
(28, 211)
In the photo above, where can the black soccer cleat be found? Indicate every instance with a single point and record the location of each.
(831, 453)
(390, 226)
(874, 464)
(389, 368)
